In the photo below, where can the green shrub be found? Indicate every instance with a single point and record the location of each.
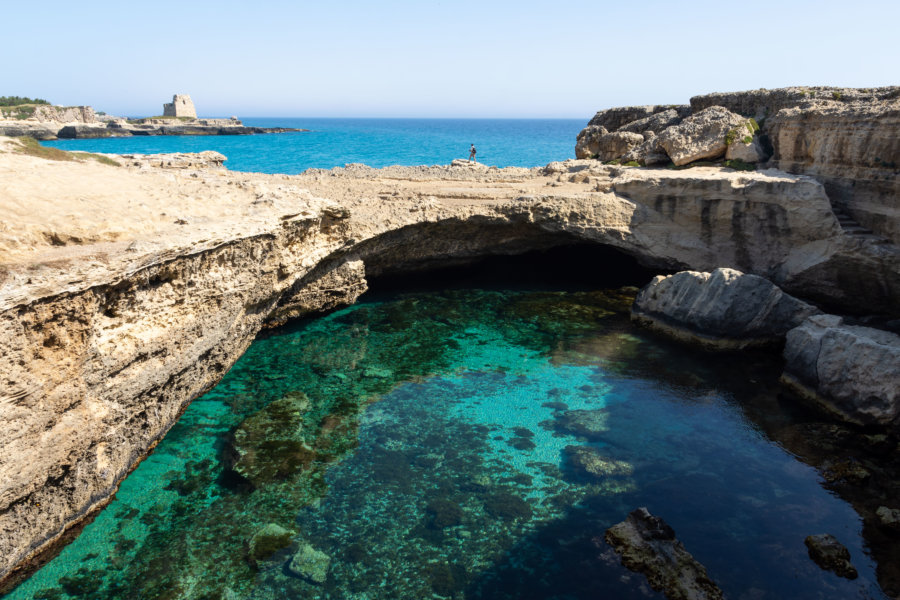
(18, 100)
(632, 163)
(836, 95)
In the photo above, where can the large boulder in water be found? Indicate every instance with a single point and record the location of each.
(850, 371)
(647, 545)
(722, 310)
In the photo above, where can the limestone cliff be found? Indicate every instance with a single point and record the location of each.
(127, 291)
(849, 139)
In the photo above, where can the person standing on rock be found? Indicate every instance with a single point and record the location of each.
(472, 153)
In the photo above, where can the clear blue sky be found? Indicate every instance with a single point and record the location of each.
(443, 59)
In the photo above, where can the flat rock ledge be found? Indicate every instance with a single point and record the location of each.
(721, 310)
(850, 371)
(647, 545)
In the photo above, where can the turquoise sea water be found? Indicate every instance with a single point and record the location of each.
(375, 142)
(463, 444)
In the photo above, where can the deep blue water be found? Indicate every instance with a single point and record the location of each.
(375, 142)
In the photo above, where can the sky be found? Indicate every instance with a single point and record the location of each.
(398, 58)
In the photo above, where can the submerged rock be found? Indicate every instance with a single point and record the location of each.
(587, 460)
(647, 545)
(831, 555)
(310, 564)
(589, 424)
(503, 505)
(268, 445)
(850, 371)
(723, 310)
(267, 541)
(443, 513)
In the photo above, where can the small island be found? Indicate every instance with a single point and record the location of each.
(39, 119)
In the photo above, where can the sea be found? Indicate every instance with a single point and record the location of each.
(375, 142)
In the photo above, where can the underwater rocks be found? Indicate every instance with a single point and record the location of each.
(831, 555)
(647, 545)
(310, 564)
(506, 506)
(850, 371)
(586, 460)
(269, 445)
(587, 424)
(441, 513)
(267, 541)
(722, 310)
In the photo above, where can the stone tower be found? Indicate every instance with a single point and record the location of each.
(181, 106)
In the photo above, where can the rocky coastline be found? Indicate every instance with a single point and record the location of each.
(125, 293)
(46, 122)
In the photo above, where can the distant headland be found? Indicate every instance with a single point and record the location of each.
(39, 119)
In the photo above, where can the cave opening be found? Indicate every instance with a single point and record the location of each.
(576, 265)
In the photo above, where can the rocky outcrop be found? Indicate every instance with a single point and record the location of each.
(831, 555)
(722, 310)
(648, 545)
(704, 135)
(655, 123)
(849, 139)
(52, 122)
(612, 119)
(64, 114)
(125, 292)
(608, 146)
(850, 371)
(39, 131)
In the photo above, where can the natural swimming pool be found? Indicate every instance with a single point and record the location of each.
(466, 443)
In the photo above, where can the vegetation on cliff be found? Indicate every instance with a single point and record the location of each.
(19, 100)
